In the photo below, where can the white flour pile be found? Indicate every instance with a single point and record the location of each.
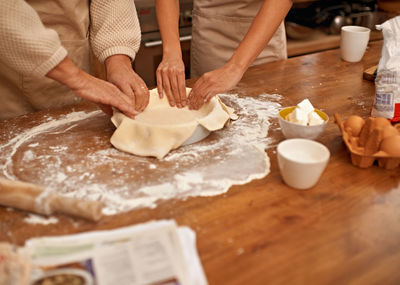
(52, 155)
(35, 219)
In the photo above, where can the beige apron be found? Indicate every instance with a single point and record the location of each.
(218, 28)
(20, 94)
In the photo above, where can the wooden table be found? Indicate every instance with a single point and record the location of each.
(345, 230)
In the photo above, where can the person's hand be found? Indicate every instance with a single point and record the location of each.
(171, 80)
(105, 94)
(120, 73)
(92, 88)
(212, 83)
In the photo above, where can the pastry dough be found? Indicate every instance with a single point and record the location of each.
(161, 128)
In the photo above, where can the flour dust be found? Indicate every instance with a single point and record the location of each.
(71, 154)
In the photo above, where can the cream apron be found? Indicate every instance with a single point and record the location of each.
(218, 28)
(20, 94)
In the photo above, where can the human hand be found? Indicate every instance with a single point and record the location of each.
(171, 80)
(120, 73)
(92, 88)
(212, 83)
(106, 95)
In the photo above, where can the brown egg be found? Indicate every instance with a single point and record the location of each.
(391, 146)
(379, 122)
(389, 131)
(355, 123)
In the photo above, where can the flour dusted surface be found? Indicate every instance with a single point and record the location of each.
(71, 154)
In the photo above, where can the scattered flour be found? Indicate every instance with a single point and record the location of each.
(94, 170)
(240, 251)
(36, 219)
(29, 155)
(14, 144)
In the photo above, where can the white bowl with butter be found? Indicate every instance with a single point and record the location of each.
(302, 122)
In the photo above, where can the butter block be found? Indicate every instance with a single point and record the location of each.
(304, 114)
(314, 119)
(298, 116)
(305, 106)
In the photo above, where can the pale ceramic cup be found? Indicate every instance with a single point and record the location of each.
(301, 162)
(353, 42)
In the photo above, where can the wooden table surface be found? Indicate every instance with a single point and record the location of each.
(345, 230)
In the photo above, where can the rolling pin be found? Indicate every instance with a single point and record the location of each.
(33, 198)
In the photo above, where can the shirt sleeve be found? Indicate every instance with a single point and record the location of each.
(114, 28)
(26, 45)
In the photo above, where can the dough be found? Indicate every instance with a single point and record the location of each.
(161, 128)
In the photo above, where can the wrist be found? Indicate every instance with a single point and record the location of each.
(236, 67)
(170, 51)
(116, 61)
(172, 57)
(67, 73)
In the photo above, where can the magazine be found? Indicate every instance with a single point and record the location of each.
(156, 252)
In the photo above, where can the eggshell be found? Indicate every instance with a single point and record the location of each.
(355, 123)
(389, 131)
(379, 122)
(391, 146)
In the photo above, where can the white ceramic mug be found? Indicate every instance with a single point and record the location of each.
(353, 42)
(301, 162)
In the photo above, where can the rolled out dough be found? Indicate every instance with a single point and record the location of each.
(161, 128)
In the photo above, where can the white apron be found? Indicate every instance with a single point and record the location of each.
(20, 94)
(218, 28)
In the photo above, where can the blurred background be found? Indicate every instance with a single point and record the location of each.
(311, 26)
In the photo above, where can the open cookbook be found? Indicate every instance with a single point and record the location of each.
(156, 252)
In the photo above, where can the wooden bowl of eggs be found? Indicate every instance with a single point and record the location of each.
(371, 139)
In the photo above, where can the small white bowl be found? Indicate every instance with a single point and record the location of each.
(301, 162)
(199, 134)
(291, 130)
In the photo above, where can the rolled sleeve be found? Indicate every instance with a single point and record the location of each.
(114, 28)
(26, 45)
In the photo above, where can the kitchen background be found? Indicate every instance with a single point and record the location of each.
(311, 26)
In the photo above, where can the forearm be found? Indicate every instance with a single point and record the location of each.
(168, 22)
(68, 74)
(117, 61)
(264, 26)
(92, 88)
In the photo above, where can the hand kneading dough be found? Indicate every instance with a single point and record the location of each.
(161, 128)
